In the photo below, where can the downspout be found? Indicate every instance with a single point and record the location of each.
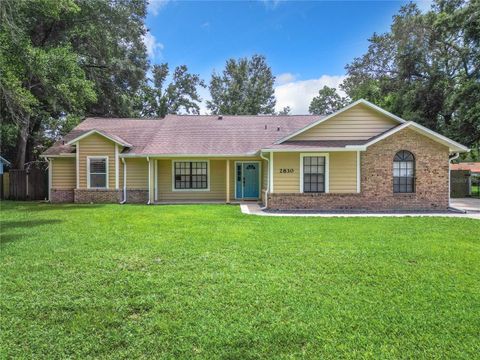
(149, 180)
(449, 163)
(268, 180)
(124, 182)
(50, 180)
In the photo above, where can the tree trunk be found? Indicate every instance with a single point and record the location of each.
(35, 128)
(22, 139)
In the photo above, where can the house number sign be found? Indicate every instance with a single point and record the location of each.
(286, 171)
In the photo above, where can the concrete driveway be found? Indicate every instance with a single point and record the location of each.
(470, 205)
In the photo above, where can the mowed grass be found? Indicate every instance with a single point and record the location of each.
(126, 281)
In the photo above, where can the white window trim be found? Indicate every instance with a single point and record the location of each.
(190, 190)
(88, 171)
(327, 170)
(259, 177)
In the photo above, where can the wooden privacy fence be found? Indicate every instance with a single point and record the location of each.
(28, 184)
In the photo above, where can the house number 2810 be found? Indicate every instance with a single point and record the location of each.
(286, 171)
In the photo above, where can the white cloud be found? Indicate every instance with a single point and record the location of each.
(154, 6)
(154, 48)
(299, 94)
(284, 78)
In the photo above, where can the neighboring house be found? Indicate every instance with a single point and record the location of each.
(3, 162)
(361, 157)
(473, 167)
(463, 176)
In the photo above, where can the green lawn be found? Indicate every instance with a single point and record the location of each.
(129, 281)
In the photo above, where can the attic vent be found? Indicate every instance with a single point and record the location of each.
(265, 126)
(278, 128)
(220, 117)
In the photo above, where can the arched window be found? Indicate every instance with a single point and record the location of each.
(404, 172)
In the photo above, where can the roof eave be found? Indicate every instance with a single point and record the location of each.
(95, 131)
(325, 148)
(451, 144)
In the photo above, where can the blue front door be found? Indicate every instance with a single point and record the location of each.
(247, 177)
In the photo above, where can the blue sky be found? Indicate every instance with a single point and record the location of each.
(307, 44)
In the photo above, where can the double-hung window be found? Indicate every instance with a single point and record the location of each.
(190, 175)
(97, 172)
(314, 174)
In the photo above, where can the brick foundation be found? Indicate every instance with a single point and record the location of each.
(97, 196)
(431, 190)
(61, 196)
(137, 196)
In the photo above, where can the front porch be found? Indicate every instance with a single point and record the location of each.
(199, 180)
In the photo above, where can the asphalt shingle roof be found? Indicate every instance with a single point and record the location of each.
(191, 134)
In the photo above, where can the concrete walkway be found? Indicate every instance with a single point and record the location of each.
(466, 204)
(255, 209)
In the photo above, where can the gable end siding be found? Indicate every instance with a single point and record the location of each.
(96, 145)
(357, 123)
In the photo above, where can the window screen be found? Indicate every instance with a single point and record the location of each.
(98, 173)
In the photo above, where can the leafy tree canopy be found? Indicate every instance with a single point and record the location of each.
(62, 59)
(245, 87)
(180, 95)
(426, 69)
(327, 102)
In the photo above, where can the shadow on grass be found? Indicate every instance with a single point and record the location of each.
(43, 206)
(5, 226)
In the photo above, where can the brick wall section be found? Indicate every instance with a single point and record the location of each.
(137, 196)
(431, 161)
(61, 196)
(97, 196)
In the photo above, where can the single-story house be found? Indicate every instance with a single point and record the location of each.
(360, 157)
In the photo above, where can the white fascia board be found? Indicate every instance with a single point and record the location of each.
(65, 155)
(187, 155)
(94, 131)
(361, 101)
(452, 145)
(327, 149)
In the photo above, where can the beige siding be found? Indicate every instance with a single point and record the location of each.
(96, 145)
(343, 172)
(286, 182)
(63, 173)
(137, 173)
(357, 123)
(217, 173)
